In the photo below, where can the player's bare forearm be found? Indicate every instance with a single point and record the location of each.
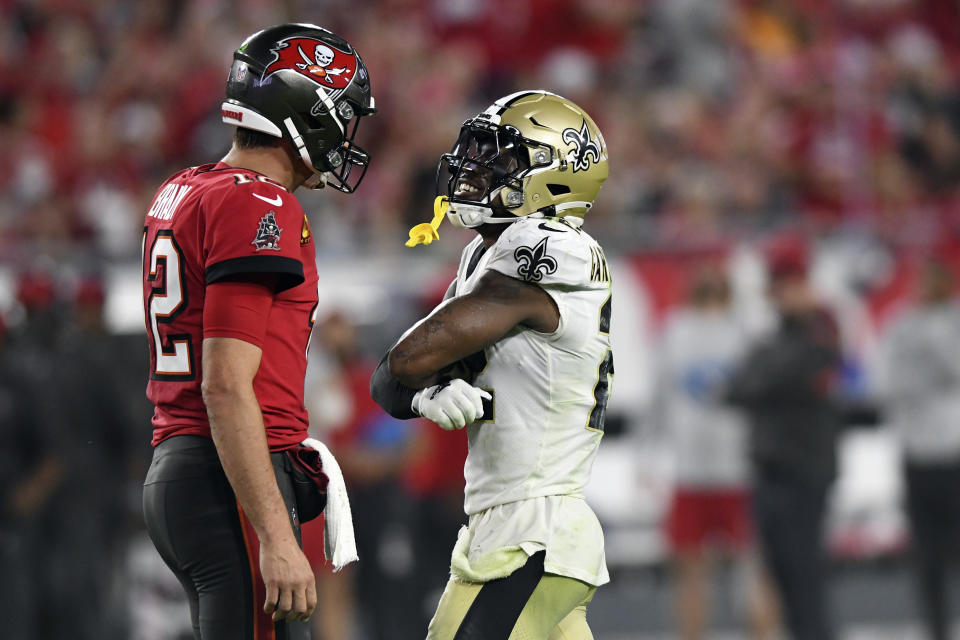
(236, 424)
(469, 323)
(450, 333)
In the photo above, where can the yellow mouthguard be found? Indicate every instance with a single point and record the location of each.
(426, 232)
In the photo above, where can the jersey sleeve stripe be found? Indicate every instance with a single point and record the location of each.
(289, 269)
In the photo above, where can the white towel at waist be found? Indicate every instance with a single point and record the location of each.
(339, 545)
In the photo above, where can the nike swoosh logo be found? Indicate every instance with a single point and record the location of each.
(275, 201)
(543, 225)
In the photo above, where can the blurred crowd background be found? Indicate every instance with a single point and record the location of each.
(750, 140)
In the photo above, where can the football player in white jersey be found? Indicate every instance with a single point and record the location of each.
(519, 353)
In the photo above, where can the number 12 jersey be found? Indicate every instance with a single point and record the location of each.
(212, 223)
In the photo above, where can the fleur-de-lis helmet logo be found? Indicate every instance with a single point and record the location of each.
(584, 147)
(534, 263)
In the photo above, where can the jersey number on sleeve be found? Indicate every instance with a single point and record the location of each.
(173, 353)
(601, 392)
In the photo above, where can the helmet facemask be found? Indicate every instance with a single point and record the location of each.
(339, 166)
(483, 175)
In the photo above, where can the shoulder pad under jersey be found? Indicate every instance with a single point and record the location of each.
(550, 251)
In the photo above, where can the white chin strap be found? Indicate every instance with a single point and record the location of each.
(469, 216)
(318, 180)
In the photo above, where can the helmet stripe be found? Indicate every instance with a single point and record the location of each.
(299, 143)
(496, 110)
(328, 103)
(508, 101)
(505, 102)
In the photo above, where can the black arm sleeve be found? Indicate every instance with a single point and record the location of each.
(289, 271)
(394, 397)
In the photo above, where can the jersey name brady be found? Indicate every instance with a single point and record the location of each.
(207, 224)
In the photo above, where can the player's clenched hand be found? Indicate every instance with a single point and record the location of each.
(291, 587)
(452, 404)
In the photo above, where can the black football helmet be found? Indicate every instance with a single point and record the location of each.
(309, 86)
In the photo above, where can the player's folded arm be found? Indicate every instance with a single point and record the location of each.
(469, 323)
(392, 395)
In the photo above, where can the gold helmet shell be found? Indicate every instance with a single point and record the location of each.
(529, 152)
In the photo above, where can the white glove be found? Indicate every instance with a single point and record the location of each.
(451, 405)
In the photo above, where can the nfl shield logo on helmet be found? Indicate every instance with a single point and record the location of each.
(268, 233)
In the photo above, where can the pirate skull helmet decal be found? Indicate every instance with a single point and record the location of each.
(323, 55)
(329, 67)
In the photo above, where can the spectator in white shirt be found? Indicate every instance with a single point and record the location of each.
(709, 515)
(922, 392)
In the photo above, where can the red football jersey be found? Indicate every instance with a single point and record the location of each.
(205, 224)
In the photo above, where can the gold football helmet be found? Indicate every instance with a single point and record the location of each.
(529, 152)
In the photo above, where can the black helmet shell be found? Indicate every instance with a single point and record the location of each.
(309, 86)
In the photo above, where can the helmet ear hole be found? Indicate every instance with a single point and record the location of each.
(315, 121)
(558, 189)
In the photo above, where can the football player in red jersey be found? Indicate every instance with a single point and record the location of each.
(230, 288)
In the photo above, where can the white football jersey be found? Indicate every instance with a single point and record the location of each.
(540, 433)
